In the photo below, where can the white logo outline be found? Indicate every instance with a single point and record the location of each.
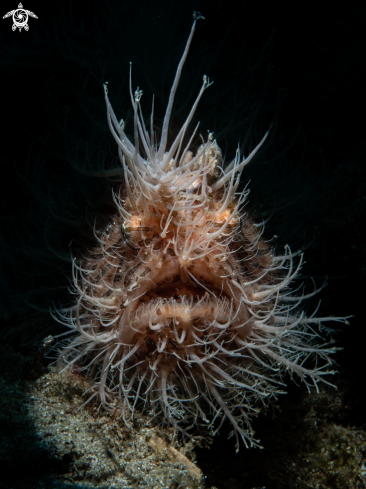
(20, 18)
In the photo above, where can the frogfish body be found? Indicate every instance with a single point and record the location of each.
(182, 306)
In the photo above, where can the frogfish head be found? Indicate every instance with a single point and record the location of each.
(182, 306)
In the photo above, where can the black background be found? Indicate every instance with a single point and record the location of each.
(317, 60)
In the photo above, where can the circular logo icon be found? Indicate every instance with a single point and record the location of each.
(20, 19)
